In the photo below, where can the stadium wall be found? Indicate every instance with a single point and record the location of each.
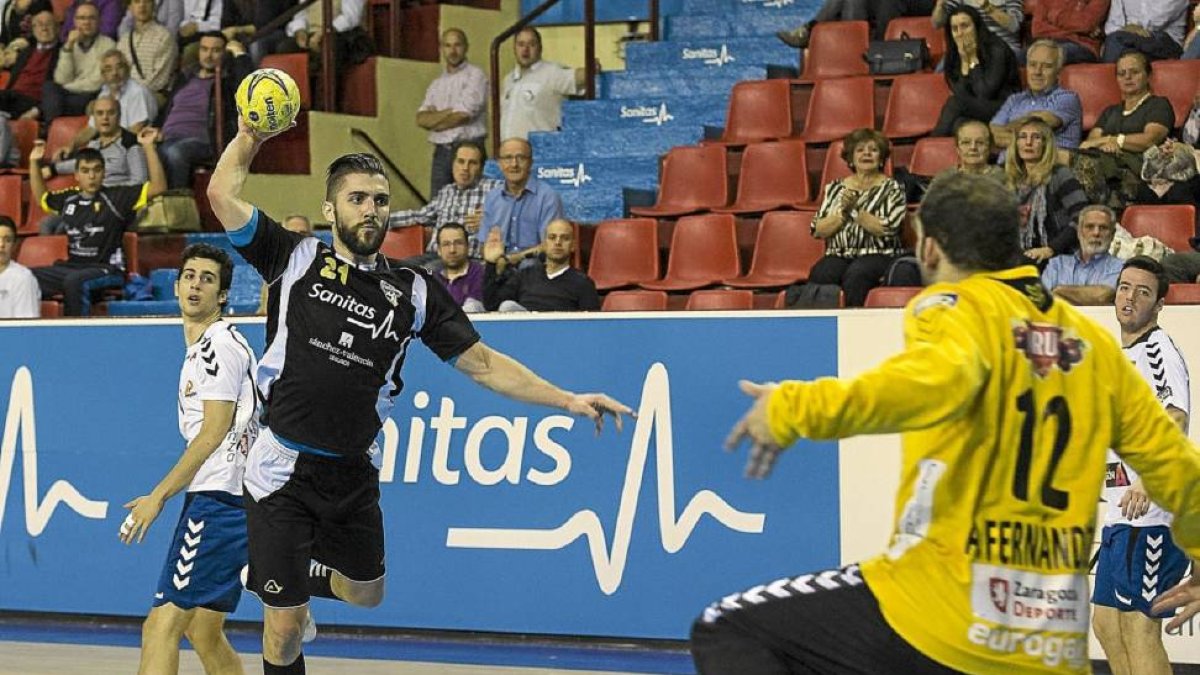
(500, 516)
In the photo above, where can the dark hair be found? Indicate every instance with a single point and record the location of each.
(534, 31)
(467, 143)
(975, 221)
(217, 255)
(5, 221)
(860, 136)
(89, 155)
(989, 44)
(213, 34)
(1148, 264)
(358, 162)
(1145, 59)
(451, 226)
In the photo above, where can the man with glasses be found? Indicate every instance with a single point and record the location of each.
(77, 77)
(522, 208)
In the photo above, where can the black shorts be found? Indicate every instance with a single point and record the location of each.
(827, 623)
(309, 508)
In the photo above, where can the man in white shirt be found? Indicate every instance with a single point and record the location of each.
(454, 107)
(20, 297)
(532, 95)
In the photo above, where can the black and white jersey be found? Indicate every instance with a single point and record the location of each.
(331, 367)
(1162, 365)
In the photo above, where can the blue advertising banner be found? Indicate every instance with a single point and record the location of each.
(500, 516)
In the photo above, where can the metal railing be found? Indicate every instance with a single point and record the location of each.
(366, 138)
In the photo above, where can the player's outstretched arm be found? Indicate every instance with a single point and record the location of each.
(144, 510)
(505, 375)
(754, 429)
(229, 177)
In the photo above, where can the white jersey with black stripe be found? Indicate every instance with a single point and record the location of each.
(1160, 363)
(219, 367)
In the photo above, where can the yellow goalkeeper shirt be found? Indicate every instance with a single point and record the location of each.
(1008, 401)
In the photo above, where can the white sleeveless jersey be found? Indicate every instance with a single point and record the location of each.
(1160, 363)
(219, 367)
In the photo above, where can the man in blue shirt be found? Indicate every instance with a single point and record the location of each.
(1058, 107)
(1088, 276)
(523, 207)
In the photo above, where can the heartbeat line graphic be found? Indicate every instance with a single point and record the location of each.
(20, 416)
(653, 414)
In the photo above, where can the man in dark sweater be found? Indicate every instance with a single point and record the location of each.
(552, 286)
(30, 66)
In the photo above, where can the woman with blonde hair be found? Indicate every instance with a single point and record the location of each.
(1049, 195)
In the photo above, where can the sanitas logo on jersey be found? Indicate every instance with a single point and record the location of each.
(1047, 346)
(346, 302)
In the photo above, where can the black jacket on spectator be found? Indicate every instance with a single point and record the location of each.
(571, 291)
(233, 69)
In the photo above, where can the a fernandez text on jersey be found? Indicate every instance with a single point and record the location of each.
(1008, 400)
(333, 364)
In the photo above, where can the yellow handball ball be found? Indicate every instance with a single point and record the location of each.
(268, 99)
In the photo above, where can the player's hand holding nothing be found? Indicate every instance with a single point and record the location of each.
(143, 511)
(753, 427)
(1135, 502)
(1185, 595)
(596, 406)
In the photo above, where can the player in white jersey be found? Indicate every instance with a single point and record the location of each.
(218, 408)
(1138, 560)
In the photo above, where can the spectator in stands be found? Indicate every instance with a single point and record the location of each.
(1060, 108)
(973, 144)
(552, 286)
(859, 220)
(459, 202)
(878, 12)
(20, 297)
(108, 18)
(351, 43)
(1191, 127)
(1049, 196)
(200, 17)
(166, 13)
(1002, 18)
(269, 295)
(1191, 46)
(139, 107)
(150, 46)
(523, 207)
(241, 19)
(1169, 175)
(30, 67)
(16, 17)
(189, 132)
(1152, 27)
(460, 275)
(1076, 25)
(1089, 275)
(1111, 158)
(77, 77)
(453, 108)
(532, 94)
(980, 71)
(95, 219)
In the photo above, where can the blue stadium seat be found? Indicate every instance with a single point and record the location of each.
(712, 53)
(624, 142)
(143, 308)
(658, 112)
(675, 81)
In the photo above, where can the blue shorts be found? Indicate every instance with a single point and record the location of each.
(207, 553)
(1136, 565)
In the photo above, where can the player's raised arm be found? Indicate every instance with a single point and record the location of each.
(228, 178)
(505, 375)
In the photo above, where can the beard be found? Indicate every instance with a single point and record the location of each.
(358, 245)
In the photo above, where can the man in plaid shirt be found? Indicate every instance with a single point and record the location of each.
(459, 202)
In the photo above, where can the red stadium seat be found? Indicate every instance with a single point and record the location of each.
(10, 198)
(24, 133)
(635, 301)
(784, 251)
(932, 156)
(51, 309)
(693, 179)
(1096, 84)
(891, 296)
(403, 242)
(759, 110)
(835, 49)
(1183, 294)
(720, 299)
(34, 213)
(920, 27)
(1171, 224)
(914, 104)
(62, 131)
(624, 253)
(773, 176)
(295, 65)
(838, 107)
(703, 251)
(42, 250)
(1177, 80)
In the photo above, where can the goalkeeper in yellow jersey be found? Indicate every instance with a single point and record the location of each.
(1008, 401)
